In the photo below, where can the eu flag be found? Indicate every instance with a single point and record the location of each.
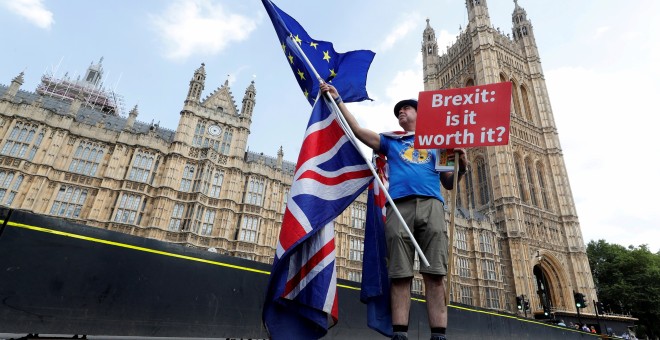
(345, 71)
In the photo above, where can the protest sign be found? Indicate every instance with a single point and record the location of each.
(464, 117)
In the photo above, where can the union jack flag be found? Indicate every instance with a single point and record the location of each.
(301, 301)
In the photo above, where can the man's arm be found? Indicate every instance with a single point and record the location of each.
(447, 178)
(366, 136)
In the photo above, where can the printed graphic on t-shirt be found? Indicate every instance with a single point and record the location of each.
(412, 155)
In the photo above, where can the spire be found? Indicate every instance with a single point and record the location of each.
(19, 78)
(522, 27)
(429, 42)
(430, 57)
(249, 100)
(132, 115)
(94, 74)
(197, 85)
(15, 85)
(280, 157)
(478, 13)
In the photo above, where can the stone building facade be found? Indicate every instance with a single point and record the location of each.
(517, 231)
(66, 156)
(520, 234)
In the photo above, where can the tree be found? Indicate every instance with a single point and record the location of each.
(628, 282)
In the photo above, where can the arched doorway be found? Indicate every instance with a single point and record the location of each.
(543, 290)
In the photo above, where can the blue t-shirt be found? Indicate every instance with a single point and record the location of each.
(411, 171)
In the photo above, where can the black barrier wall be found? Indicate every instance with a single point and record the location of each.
(58, 277)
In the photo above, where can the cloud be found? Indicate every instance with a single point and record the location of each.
(32, 10)
(401, 31)
(600, 31)
(199, 27)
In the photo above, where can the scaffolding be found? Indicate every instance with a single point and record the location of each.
(90, 91)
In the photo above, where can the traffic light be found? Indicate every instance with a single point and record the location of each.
(579, 300)
(519, 302)
(600, 308)
(546, 310)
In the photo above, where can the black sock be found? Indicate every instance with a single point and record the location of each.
(438, 330)
(400, 328)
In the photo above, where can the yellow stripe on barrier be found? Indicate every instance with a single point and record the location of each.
(190, 258)
(128, 246)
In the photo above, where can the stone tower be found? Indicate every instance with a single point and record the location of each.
(521, 189)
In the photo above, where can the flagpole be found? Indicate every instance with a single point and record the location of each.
(452, 221)
(352, 138)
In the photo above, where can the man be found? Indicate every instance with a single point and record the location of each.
(416, 192)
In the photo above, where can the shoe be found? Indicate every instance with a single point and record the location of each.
(438, 337)
(399, 337)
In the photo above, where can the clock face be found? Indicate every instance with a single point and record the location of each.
(214, 130)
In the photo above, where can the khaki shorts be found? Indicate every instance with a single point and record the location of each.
(426, 219)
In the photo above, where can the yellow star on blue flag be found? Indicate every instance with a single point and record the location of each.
(346, 71)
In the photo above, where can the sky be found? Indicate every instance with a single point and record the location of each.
(599, 58)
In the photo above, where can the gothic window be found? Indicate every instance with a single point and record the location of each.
(216, 184)
(486, 242)
(492, 298)
(469, 186)
(202, 177)
(530, 182)
(356, 247)
(355, 276)
(525, 100)
(463, 266)
(86, 158)
(358, 215)
(186, 180)
(9, 184)
(459, 195)
(197, 219)
(207, 222)
(127, 210)
(255, 191)
(470, 82)
(69, 201)
(285, 200)
(198, 138)
(142, 166)
(21, 137)
(249, 229)
(488, 270)
(461, 239)
(519, 176)
(466, 295)
(541, 177)
(516, 99)
(482, 182)
(226, 142)
(177, 215)
(416, 286)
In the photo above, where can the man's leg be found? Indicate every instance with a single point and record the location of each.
(435, 300)
(400, 294)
